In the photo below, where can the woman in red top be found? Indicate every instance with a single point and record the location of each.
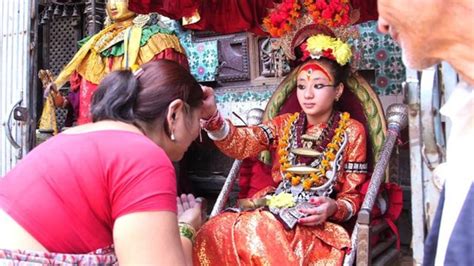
(110, 183)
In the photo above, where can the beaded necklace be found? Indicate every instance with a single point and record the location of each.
(329, 142)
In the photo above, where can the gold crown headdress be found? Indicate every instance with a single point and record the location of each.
(294, 21)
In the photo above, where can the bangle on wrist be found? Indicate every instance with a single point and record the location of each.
(213, 123)
(186, 230)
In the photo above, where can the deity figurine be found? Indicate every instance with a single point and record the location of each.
(128, 40)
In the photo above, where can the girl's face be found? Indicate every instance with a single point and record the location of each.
(316, 90)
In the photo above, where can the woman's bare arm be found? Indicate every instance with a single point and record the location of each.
(150, 238)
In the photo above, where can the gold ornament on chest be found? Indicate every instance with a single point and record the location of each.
(318, 144)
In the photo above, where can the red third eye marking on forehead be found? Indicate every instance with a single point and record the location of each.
(313, 67)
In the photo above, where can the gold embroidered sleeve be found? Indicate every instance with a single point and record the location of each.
(349, 197)
(245, 142)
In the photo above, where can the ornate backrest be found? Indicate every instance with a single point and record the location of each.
(359, 99)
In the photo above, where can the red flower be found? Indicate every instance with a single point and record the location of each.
(327, 13)
(306, 54)
(328, 54)
(321, 4)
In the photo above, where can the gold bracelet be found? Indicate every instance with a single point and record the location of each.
(186, 230)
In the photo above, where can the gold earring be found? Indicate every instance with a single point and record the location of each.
(172, 137)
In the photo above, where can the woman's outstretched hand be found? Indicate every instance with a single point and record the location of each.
(209, 106)
(189, 210)
(324, 208)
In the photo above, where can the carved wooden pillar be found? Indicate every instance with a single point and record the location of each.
(95, 16)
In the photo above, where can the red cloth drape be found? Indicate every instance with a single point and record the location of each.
(230, 16)
(223, 16)
(367, 8)
(174, 9)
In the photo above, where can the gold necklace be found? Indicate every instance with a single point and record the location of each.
(328, 155)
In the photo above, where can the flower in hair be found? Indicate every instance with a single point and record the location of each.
(321, 45)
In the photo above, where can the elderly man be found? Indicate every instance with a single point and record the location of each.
(430, 31)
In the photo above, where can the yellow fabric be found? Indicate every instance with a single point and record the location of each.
(48, 117)
(81, 56)
(95, 67)
(132, 39)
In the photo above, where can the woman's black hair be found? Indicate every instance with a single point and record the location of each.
(122, 96)
(115, 97)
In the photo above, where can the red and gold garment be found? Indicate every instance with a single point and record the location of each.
(257, 237)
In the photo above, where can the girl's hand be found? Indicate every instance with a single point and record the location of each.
(324, 208)
(209, 106)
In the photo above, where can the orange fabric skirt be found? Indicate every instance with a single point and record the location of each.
(258, 238)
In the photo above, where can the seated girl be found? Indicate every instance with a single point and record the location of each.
(315, 154)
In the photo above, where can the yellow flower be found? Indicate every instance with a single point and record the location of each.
(295, 180)
(316, 44)
(282, 152)
(282, 200)
(330, 156)
(325, 163)
(320, 42)
(332, 145)
(307, 183)
(342, 52)
(314, 178)
(323, 171)
(345, 116)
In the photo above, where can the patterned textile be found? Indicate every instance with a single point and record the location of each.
(379, 52)
(258, 238)
(250, 237)
(202, 56)
(100, 257)
(203, 60)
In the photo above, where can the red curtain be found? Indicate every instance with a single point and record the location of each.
(367, 8)
(174, 9)
(229, 16)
